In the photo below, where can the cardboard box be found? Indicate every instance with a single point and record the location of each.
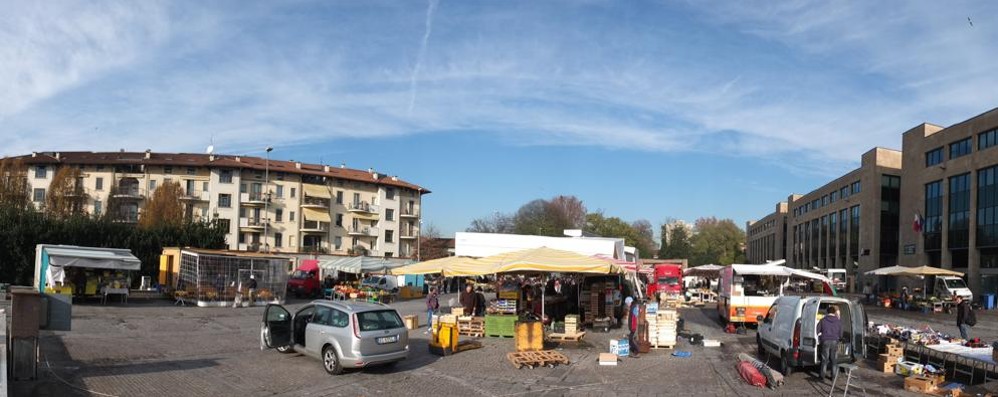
(457, 311)
(919, 384)
(620, 347)
(887, 367)
(895, 351)
(607, 359)
(411, 321)
(887, 358)
(908, 368)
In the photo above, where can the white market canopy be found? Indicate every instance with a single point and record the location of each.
(361, 264)
(914, 271)
(704, 271)
(52, 260)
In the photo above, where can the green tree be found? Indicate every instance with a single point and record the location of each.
(601, 225)
(540, 217)
(716, 241)
(678, 244)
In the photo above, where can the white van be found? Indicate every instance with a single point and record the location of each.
(947, 286)
(789, 330)
(384, 283)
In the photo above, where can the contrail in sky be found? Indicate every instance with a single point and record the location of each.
(422, 52)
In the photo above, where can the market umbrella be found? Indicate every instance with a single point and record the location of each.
(887, 271)
(450, 266)
(917, 271)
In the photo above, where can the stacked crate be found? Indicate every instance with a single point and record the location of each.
(571, 324)
(892, 355)
(662, 328)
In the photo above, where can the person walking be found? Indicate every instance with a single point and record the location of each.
(432, 304)
(632, 326)
(829, 334)
(965, 317)
(251, 290)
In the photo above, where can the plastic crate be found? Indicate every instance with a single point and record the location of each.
(503, 326)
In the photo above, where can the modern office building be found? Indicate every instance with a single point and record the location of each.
(950, 185)
(766, 238)
(268, 205)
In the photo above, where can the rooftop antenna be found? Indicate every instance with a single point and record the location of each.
(211, 147)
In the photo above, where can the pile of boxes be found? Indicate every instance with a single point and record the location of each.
(572, 324)
(889, 360)
(620, 347)
(662, 326)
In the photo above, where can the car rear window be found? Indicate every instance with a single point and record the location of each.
(379, 320)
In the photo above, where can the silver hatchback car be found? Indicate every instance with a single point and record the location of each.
(343, 334)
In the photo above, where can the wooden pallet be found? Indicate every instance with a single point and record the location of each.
(566, 337)
(664, 346)
(548, 358)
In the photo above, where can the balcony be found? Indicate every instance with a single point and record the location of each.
(252, 223)
(312, 202)
(127, 218)
(363, 207)
(317, 249)
(251, 247)
(254, 198)
(406, 235)
(194, 195)
(314, 227)
(409, 213)
(129, 193)
(363, 231)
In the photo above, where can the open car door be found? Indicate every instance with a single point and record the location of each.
(809, 326)
(858, 330)
(276, 328)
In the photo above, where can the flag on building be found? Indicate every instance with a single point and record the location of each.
(917, 226)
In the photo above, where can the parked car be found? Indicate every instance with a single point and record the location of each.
(340, 333)
(384, 283)
(789, 330)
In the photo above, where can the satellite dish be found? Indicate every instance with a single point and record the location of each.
(211, 148)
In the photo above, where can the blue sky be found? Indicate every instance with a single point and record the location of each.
(642, 109)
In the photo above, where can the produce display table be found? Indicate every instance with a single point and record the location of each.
(114, 291)
(500, 325)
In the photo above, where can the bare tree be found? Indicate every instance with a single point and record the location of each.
(572, 209)
(14, 188)
(431, 244)
(164, 207)
(66, 196)
(497, 223)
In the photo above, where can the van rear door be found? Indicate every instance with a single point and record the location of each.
(858, 330)
(809, 331)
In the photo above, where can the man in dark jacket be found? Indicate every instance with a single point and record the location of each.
(962, 316)
(829, 334)
(468, 301)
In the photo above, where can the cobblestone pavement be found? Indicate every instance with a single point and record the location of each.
(154, 349)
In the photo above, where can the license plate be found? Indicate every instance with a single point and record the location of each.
(388, 339)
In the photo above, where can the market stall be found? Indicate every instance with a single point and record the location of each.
(923, 302)
(84, 271)
(361, 266)
(222, 278)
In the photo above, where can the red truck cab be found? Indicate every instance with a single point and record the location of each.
(667, 279)
(304, 281)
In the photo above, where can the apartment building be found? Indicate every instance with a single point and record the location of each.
(850, 223)
(267, 205)
(766, 237)
(950, 184)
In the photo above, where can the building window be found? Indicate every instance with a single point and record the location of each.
(280, 191)
(337, 242)
(833, 197)
(824, 200)
(932, 229)
(987, 139)
(225, 176)
(242, 212)
(987, 207)
(100, 167)
(293, 192)
(279, 215)
(959, 211)
(204, 186)
(855, 188)
(389, 236)
(100, 183)
(242, 238)
(41, 172)
(854, 234)
(844, 192)
(339, 197)
(278, 240)
(97, 207)
(390, 193)
(890, 214)
(225, 200)
(224, 224)
(389, 214)
(339, 220)
(933, 157)
(192, 171)
(291, 216)
(843, 237)
(960, 148)
(168, 169)
(152, 185)
(243, 188)
(280, 176)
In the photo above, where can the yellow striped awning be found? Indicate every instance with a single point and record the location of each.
(367, 217)
(319, 191)
(312, 214)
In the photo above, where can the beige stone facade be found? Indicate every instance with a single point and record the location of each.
(766, 238)
(949, 182)
(280, 206)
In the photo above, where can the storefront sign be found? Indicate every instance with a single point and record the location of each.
(909, 249)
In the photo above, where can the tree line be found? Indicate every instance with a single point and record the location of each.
(63, 219)
(708, 240)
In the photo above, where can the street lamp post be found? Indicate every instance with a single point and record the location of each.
(266, 203)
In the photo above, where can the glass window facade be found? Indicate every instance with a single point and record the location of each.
(959, 211)
(933, 157)
(987, 207)
(823, 240)
(890, 214)
(856, 187)
(932, 229)
(960, 148)
(854, 234)
(987, 139)
(832, 237)
(843, 238)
